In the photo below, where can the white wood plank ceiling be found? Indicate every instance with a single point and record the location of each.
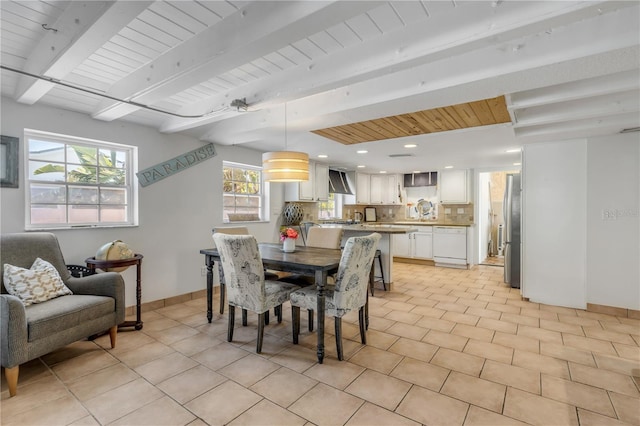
(568, 69)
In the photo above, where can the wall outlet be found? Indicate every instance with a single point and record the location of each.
(460, 210)
(203, 271)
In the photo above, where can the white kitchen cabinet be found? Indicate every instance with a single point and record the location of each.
(450, 246)
(363, 188)
(454, 186)
(384, 189)
(314, 189)
(416, 245)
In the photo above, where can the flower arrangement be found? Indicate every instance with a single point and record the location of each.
(288, 233)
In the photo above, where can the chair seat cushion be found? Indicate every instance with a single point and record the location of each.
(276, 293)
(52, 316)
(307, 298)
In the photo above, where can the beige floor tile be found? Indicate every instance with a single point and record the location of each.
(82, 365)
(577, 394)
(537, 410)
(511, 375)
(588, 344)
(589, 418)
(537, 313)
(379, 389)
(249, 370)
(418, 350)
(516, 318)
(163, 411)
(451, 307)
(60, 411)
(87, 387)
(539, 334)
(445, 340)
(559, 309)
(178, 311)
(403, 317)
(189, 384)
(161, 369)
(633, 329)
(313, 406)
(617, 364)
(267, 413)
(284, 386)
(399, 306)
(460, 318)
(627, 408)
(85, 421)
(30, 396)
(372, 415)
(458, 361)
(480, 417)
(471, 303)
(609, 380)
(567, 353)
(436, 324)
(612, 336)
(220, 355)
(119, 402)
(516, 342)
(405, 330)
(475, 391)
(30, 371)
(378, 323)
(489, 350)
(74, 350)
(628, 352)
(161, 323)
(338, 374)
(421, 373)
(296, 358)
(444, 297)
(497, 325)
(431, 408)
(428, 311)
(379, 339)
(483, 313)
(196, 343)
(576, 320)
(144, 353)
(542, 363)
(223, 403)
(477, 333)
(503, 308)
(382, 361)
(563, 327)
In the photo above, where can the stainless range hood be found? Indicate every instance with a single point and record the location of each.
(338, 183)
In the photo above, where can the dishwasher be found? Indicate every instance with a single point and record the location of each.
(450, 246)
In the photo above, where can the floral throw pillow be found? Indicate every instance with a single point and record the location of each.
(36, 285)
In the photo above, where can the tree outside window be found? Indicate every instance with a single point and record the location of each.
(242, 192)
(327, 209)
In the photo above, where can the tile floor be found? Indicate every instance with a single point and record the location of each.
(446, 347)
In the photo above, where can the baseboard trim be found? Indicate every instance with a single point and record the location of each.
(612, 310)
(163, 303)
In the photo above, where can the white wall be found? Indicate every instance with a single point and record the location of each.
(613, 240)
(572, 256)
(176, 214)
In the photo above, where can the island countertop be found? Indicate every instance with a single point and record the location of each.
(380, 228)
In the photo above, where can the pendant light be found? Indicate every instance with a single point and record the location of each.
(285, 166)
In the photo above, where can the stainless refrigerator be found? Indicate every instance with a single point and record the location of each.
(512, 209)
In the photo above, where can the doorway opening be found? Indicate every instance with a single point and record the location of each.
(491, 187)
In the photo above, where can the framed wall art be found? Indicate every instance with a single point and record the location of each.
(9, 159)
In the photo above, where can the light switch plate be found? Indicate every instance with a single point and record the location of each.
(460, 210)
(447, 210)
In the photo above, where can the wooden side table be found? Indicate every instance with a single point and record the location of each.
(93, 264)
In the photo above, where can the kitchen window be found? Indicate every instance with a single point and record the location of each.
(328, 209)
(77, 182)
(243, 193)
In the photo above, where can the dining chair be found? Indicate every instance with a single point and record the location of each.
(236, 230)
(246, 285)
(329, 238)
(349, 292)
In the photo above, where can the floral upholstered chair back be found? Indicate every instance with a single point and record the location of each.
(353, 273)
(243, 270)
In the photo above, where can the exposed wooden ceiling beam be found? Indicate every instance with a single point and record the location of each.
(83, 28)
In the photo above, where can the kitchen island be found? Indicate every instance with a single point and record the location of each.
(385, 245)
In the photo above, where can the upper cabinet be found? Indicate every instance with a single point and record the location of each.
(363, 188)
(454, 186)
(420, 179)
(314, 189)
(384, 189)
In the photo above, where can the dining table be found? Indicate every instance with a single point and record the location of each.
(317, 262)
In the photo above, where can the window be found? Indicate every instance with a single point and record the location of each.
(243, 192)
(76, 182)
(327, 209)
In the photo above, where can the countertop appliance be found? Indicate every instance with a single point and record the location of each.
(450, 246)
(512, 209)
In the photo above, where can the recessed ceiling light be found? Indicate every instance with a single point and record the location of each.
(410, 145)
(416, 171)
(322, 155)
(361, 167)
(448, 167)
(383, 171)
(512, 150)
(517, 164)
(362, 151)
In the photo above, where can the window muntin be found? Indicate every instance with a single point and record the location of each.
(243, 193)
(78, 182)
(328, 209)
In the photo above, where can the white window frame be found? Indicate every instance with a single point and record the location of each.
(131, 185)
(263, 195)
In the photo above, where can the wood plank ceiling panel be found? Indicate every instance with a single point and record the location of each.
(484, 112)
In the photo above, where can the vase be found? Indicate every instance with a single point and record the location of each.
(289, 245)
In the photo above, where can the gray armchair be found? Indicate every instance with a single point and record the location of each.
(26, 333)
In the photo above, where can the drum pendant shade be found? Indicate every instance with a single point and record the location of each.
(285, 166)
